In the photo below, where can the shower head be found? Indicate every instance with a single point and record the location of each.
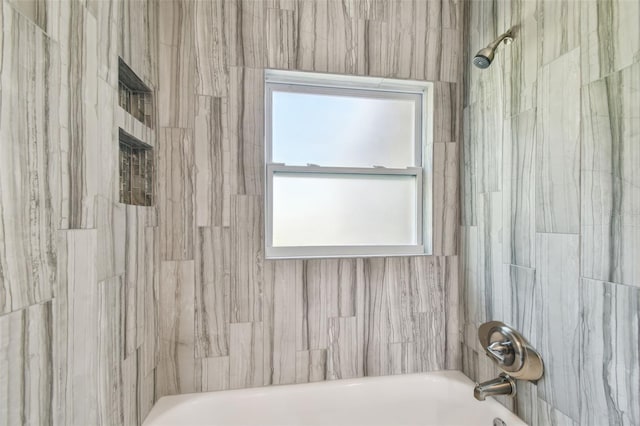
(484, 57)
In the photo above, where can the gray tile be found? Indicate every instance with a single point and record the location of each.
(281, 38)
(609, 361)
(445, 199)
(28, 160)
(342, 351)
(609, 37)
(558, 28)
(246, 258)
(176, 365)
(212, 64)
(212, 297)
(519, 194)
(610, 215)
(215, 374)
(246, 362)
(27, 366)
(557, 158)
(556, 296)
(175, 166)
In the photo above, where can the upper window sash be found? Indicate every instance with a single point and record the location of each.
(368, 93)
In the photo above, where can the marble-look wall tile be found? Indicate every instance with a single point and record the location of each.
(139, 36)
(523, 313)
(556, 293)
(150, 301)
(610, 214)
(28, 147)
(445, 112)
(212, 64)
(341, 353)
(175, 164)
(26, 366)
(609, 37)
(522, 62)
(312, 47)
(282, 319)
(558, 28)
(176, 366)
(311, 366)
(609, 372)
(211, 149)
(558, 146)
(246, 258)
(108, 367)
(281, 34)
(346, 40)
(213, 289)
(468, 167)
(246, 130)
(176, 65)
(215, 374)
(76, 319)
(445, 199)
(519, 190)
(490, 274)
(246, 364)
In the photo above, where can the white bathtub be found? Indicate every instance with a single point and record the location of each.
(438, 399)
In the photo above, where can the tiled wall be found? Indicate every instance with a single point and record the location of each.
(551, 202)
(78, 270)
(231, 319)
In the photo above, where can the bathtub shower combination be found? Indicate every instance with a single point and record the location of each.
(442, 398)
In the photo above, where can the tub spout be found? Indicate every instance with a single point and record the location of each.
(503, 385)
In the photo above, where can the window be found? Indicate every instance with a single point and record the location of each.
(348, 166)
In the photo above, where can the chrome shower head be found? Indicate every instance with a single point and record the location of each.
(485, 56)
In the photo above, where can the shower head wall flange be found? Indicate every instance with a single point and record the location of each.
(485, 56)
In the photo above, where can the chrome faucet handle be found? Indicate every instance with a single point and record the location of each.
(502, 352)
(513, 354)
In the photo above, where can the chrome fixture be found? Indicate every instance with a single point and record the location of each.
(514, 356)
(503, 385)
(484, 57)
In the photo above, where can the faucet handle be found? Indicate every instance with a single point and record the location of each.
(502, 352)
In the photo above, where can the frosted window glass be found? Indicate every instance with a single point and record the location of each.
(312, 209)
(342, 131)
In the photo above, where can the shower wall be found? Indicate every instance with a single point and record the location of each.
(78, 270)
(551, 202)
(230, 318)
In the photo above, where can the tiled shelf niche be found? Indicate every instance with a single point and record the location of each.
(136, 171)
(133, 95)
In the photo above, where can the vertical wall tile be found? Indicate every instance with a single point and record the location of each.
(175, 162)
(246, 130)
(213, 280)
(559, 28)
(313, 26)
(610, 214)
(341, 354)
(245, 355)
(281, 38)
(211, 58)
(212, 196)
(246, 275)
(519, 194)
(281, 321)
(311, 366)
(609, 38)
(28, 143)
(557, 292)
(490, 252)
(445, 198)
(558, 146)
(76, 316)
(609, 361)
(445, 113)
(176, 366)
(346, 38)
(468, 173)
(215, 374)
(26, 366)
(176, 68)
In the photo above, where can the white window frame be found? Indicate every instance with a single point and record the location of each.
(369, 87)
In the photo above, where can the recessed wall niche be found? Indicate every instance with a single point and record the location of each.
(136, 171)
(133, 95)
